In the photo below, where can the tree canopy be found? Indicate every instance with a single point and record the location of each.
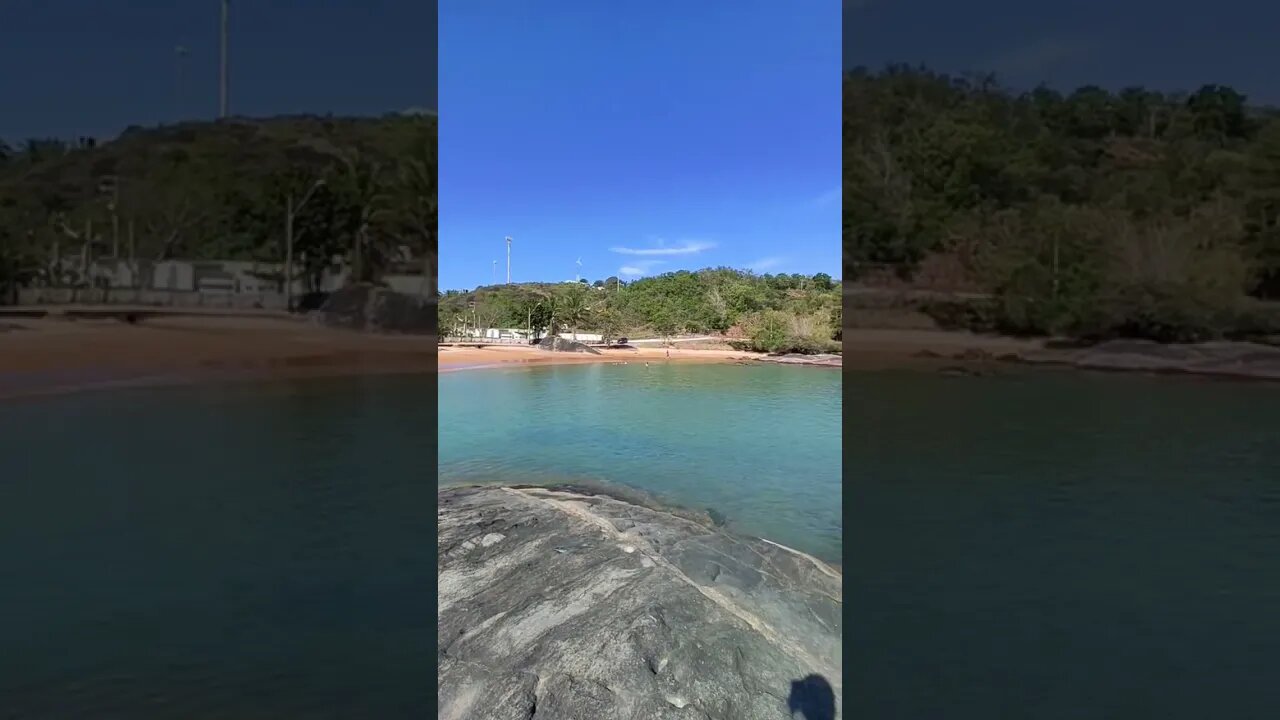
(1090, 212)
(714, 300)
(219, 190)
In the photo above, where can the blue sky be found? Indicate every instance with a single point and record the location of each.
(641, 137)
(1169, 45)
(94, 67)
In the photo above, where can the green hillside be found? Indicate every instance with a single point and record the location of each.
(1092, 213)
(219, 191)
(775, 312)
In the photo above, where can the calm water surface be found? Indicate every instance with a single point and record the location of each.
(246, 551)
(1062, 546)
(759, 446)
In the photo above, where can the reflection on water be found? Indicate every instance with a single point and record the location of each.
(1063, 546)
(237, 551)
(758, 446)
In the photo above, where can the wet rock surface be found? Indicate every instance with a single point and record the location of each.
(823, 359)
(1228, 359)
(560, 603)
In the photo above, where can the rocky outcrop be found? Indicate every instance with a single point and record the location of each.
(555, 343)
(564, 603)
(1229, 359)
(377, 309)
(823, 359)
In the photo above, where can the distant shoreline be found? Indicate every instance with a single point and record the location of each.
(45, 356)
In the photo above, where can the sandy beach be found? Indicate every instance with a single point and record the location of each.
(462, 358)
(49, 355)
(52, 354)
(46, 355)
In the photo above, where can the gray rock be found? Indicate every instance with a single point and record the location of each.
(559, 603)
(555, 343)
(377, 309)
(823, 359)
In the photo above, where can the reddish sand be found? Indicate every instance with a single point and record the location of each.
(39, 356)
(498, 355)
(50, 355)
(53, 355)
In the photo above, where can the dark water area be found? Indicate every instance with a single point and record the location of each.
(1061, 546)
(247, 550)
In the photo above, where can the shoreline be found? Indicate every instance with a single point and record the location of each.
(57, 355)
(647, 500)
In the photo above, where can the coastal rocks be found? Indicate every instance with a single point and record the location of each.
(823, 359)
(564, 603)
(1231, 359)
(376, 309)
(555, 343)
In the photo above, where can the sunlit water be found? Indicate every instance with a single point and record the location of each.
(1062, 546)
(246, 551)
(758, 446)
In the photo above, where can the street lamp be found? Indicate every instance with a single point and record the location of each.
(290, 212)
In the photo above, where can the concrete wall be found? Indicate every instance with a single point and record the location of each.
(187, 275)
(407, 284)
(173, 275)
(154, 298)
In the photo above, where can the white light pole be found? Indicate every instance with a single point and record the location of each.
(508, 259)
(180, 52)
(289, 213)
(224, 84)
(494, 278)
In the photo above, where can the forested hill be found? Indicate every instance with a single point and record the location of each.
(219, 190)
(778, 312)
(1091, 212)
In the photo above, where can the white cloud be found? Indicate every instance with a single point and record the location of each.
(828, 197)
(638, 268)
(685, 248)
(764, 264)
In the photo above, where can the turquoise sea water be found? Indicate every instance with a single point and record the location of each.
(757, 445)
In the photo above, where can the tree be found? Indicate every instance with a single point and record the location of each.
(365, 203)
(416, 206)
(610, 324)
(573, 310)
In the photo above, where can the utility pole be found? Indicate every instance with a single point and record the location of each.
(508, 259)
(180, 53)
(134, 280)
(224, 87)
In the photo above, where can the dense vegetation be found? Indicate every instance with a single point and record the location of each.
(363, 189)
(1092, 213)
(769, 312)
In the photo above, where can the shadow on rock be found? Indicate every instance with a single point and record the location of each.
(812, 698)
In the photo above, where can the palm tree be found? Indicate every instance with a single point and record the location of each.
(417, 207)
(551, 305)
(573, 311)
(365, 194)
